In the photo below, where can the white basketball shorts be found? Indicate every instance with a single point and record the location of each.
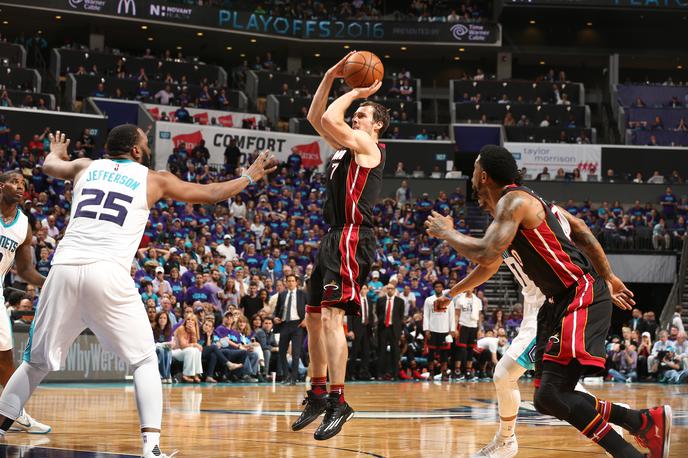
(6, 338)
(100, 296)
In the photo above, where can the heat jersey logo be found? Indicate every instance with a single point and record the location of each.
(336, 159)
(552, 342)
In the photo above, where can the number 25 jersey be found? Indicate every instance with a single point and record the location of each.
(108, 216)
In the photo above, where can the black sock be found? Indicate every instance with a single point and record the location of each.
(6, 425)
(629, 419)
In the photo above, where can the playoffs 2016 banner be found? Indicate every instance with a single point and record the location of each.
(208, 117)
(535, 156)
(314, 151)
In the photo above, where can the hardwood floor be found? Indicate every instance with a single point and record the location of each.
(392, 420)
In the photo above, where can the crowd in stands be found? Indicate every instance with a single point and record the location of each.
(645, 353)
(210, 276)
(415, 10)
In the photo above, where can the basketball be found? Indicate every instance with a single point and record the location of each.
(362, 68)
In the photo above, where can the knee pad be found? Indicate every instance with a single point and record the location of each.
(548, 400)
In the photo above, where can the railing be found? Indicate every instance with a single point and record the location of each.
(676, 293)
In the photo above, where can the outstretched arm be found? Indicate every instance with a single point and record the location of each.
(319, 103)
(333, 122)
(510, 211)
(477, 277)
(57, 163)
(24, 260)
(165, 184)
(586, 241)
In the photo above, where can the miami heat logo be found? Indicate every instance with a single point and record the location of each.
(554, 340)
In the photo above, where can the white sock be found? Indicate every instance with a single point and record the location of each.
(150, 441)
(507, 428)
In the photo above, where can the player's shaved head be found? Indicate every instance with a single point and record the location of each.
(122, 139)
(499, 164)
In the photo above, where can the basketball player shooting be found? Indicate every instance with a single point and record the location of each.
(354, 182)
(15, 237)
(573, 323)
(89, 285)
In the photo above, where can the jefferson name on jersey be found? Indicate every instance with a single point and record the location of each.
(112, 177)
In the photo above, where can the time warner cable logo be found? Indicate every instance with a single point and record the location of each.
(126, 7)
(458, 31)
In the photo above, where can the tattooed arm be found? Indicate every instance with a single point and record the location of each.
(586, 241)
(511, 210)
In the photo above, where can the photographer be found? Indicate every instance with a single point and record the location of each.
(670, 368)
(626, 359)
(659, 350)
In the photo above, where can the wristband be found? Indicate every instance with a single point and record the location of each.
(250, 180)
(448, 296)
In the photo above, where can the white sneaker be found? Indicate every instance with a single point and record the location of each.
(499, 447)
(156, 453)
(27, 424)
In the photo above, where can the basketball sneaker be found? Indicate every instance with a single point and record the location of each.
(655, 434)
(156, 453)
(315, 405)
(336, 415)
(499, 447)
(26, 423)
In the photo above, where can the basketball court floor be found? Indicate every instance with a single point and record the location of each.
(392, 420)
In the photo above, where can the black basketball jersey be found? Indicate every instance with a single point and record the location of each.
(352, 190)
(546, 253)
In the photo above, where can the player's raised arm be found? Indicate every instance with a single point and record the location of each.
(509, 213)
(586, 241)
(57, 163)
(319, 103)
(164, 184)
(333, 122)
(24, 261)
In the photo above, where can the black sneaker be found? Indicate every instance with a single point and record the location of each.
(315, 406)
(335, 416)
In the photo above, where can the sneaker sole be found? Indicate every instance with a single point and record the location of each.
(668, 414)
(331, 435)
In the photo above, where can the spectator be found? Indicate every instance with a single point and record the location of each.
(677, 319)
(164, 96)
(187, 350)
(390, 311)
(626, 359)
(400, 172)
(162, 333)
(660, 236)
(251, 304)
(265, 336)
(403, 194)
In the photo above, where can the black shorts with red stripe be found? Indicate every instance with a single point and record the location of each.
(344, 261)
(438, 341)
(574, 325)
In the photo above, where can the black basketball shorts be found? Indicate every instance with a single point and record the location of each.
(342, 266)
(575, 326)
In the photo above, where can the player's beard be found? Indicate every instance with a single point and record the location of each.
(146, 158)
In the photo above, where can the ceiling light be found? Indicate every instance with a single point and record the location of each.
(532, 22)
(58, 17)
(242, 55)
(144, 27)
(317, 54)
(387, 56)
(542, 62)
(457, 58)
(199, 34)
(346, 46)
(5, 22)
(403, 48)
(462, 49)
(150, 38)
(589, 24)
(179, 48)
(679, 67)
(253, 40)
(228, 48)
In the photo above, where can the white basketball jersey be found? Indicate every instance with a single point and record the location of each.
(11, 236)
(109, 214)
(532, 296)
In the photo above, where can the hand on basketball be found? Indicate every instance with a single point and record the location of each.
(337, 69)
(58, 145)
(441, 304)
(264, 164)
(365, 92)
(622, 297)
(439, 226)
